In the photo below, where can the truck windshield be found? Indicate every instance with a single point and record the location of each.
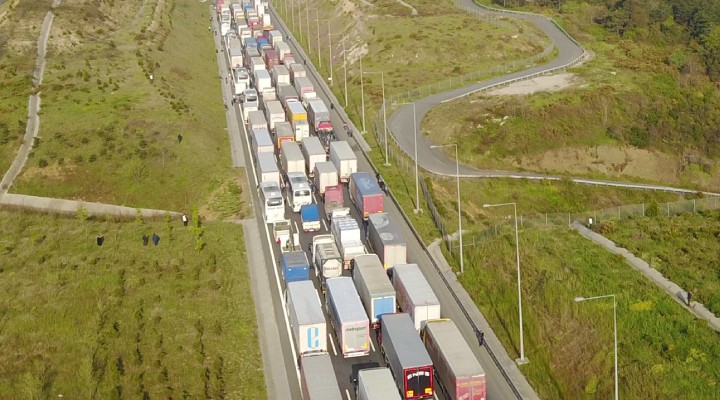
(299, 193)
(274, 202)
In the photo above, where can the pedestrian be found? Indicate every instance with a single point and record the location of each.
(366, 223)
(156, 239)
(145, 239)
(689, 298)
(377, 177)
(100, 240)
(185, 220)
(180, 137)
(480, 336)
(312, 187)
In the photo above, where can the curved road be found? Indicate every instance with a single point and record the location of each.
(402, 126)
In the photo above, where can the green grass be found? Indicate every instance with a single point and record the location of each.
(684, 248)
(108, 133)
(663, 351)
(124, 320)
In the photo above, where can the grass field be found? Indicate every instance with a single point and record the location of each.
(663, 351)
(108, 132)
(125, 320)
(683, 248)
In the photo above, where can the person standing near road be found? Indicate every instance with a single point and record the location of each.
(156, 239)
(185, 220)
(145, 239)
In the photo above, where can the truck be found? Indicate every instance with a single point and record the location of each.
(344, 159)
(274, 113)
(295, 266)
(283, 49)
(373, 285)
(282, 232)
(307, 320)
(291, 158)
(457, 370)
(406, 356)
(280, 74)
(297, 71)
(286, 93)
(267, 168)
(385, 239)
(257, 64)
(376, 384)
(283, 133)
(303, 85)
(314, 153)
(334, 202)
(271, 59)
(326, 257)
(324, 175)
(414, 294)
(310, 217)
(261, 141)
(241, 81)
(348, 238)
(275, 37)
(347, 317)
(262, 81)
(365, 193)
(249, 101)
(319, 116)
(256, 120)
(318, 378)
(297, 116)
(235, 57)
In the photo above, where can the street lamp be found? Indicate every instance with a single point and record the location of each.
(307, 20)
(345, 69)
(522, 359)
(382, 82)
(457, 166)
(362, 97)
(581, 299)
(417, 181)
(317, 22)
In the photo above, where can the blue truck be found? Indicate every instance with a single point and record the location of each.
(295, 266)
(310, 217)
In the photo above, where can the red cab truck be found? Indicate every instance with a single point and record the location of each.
(366, 194)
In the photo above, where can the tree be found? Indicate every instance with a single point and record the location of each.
(711, 53)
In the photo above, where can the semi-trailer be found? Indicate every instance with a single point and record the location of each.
(365, 193)
(457, 369)
(271, 59)
(344, 159)
(303, 85)
(324, 175)
(406, 356)
(256, 120)
(414, 294)
(318, 379)
(274, 113)
(280, 74)
(286, 93)
(326, 257)
(314, 153)
(374, 287)
(376, 384)
(347, 317)
(307, 320)
(347, 235)
(283, 133)
(295, 266)
(291, 158)
(267, 168)
(386, 240)
(297, 71)
(297, 116)
(261, 141)
(319, 115)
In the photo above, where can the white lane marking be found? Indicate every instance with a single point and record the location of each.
(332, 342)
(372, 346)
(347, 393)
(296, 226)
(324, 224)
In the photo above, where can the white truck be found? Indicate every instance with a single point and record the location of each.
(325, 174)
(314, 153)
(414, 294)
(291, 158)
(326, 257)
(344, 159)
(307, 319)
(348, 238)
(267, 168)
(274, 113)
(297, 116)
(280, 74)
(250, 102)
(256, 120)
(262, 142)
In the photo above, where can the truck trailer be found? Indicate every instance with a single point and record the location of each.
(374, 287)
(324, 175)
(386, 241)
(347, 317)
(295, 266)
(274, 113)
(283, 133)
(291, 158)
(314, 153)
(267, 168)
(326, 257)
(406, 356)
(318, 379)
(348, 238)
(457, 369)
(344, 159)
(376, 384)
(334, 202)
(307, 320)
(414, 294)
(365, 193)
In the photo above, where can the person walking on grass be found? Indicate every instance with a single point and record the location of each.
(145, 239)
(156, 239)
(185, 220)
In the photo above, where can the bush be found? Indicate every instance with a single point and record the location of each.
(42, 163)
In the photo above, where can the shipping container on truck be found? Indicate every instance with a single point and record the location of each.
(283, 133)
(365, 193)
(267, 168)
(318, 379)
(406, 356)
(347, 317)
(286, 93)
(458, 371)
(256, 120)
(262, 81)
(261, 141)
(271, 59)
(257, 64)
(319, 116)
(374, 287)
(298, 119)
(263, 43)
(291, 158)
(414, 294)
(326, 257)
(344, 159)
(274, 113)
(310, 217)
(295, 266)
(283, 49)
(297, 71)
(275, 37)
(324, 175)
(386, 240)
(348, 238)
(376, 384)
(314, 153)
(280, 75)
(334, 201)
(250, 53)
(307, 320)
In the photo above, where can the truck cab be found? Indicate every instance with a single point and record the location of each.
(310, 217)
(335, 202)
(250, 102)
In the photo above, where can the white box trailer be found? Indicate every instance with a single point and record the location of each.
(257, 64)
(344, 159)
(386, 240)
(291, 158)
(325, 174)
(282, 49)
(376, 384)
(347, 317)
(280, 74)
(275, 37)
(263, 81)
(348, 238)
(414, 294)
(318, 379)
(262, 142)
(297, 71)
(235, 56)
(267, 168)
(256, 120)
(307, 320)
(314, 153)
(274, 113)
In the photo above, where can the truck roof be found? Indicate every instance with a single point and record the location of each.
(310, 212)
(373, 274)
(295, 258)
(312, 145)
(342, 149)
(418, 289)
(267, 162)
(262, 137)
(306, 302)
(378, 384)
(320, 379)
(296, 107)
(346, 300)
(291, 151)
(454, 348)
(325, 167)
(386, 229)
(365, 183)
(400, 330)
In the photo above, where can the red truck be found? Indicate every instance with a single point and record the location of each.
(406, 356)
(334, 201)
(365, 193)
(271, 59)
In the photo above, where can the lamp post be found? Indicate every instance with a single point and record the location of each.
(382, 82)
(362, 97)
(581, 299)
(457, 169)
(317, 23)
(307, 20)
(330, 50)
(522, 359)
(345, 70)
(292, 13)
(417, 180)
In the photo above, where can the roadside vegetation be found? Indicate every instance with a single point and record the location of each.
(664, 352)
(124, 320)
(644, 106)
(684, 248)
